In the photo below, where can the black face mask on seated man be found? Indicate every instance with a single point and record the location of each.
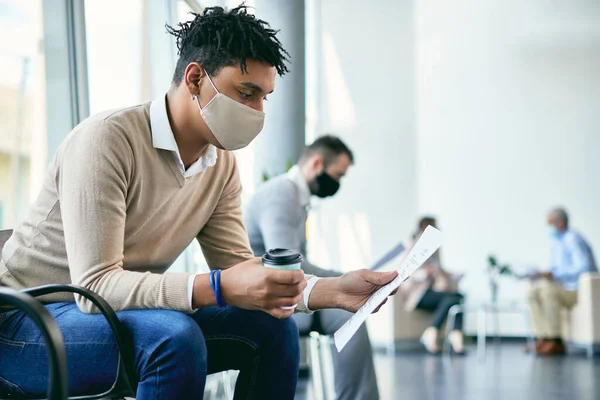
(324, 185)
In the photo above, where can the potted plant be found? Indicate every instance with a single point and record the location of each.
(495, 270)
(287, 167)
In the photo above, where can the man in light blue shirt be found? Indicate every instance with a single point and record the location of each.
(571, 256)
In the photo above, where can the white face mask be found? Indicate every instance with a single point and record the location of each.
(233, 124)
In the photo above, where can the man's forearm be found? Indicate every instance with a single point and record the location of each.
(203, 295)
(570, 273)
(324, 294)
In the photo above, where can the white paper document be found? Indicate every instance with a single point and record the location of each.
(427, 244)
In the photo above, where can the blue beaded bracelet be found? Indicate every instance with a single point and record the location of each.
(220, 301)
(211, 276)
(215, 283)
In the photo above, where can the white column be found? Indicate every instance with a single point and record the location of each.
(282, 138)
(159, 51)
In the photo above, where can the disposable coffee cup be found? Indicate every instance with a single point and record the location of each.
(284, 260)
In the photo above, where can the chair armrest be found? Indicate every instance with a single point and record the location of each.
(585, 317)
(589, 287)
(125, 366)
(57, 357)
(589, 276)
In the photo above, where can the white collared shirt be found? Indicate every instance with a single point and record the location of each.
(164, 139)
(295, 175)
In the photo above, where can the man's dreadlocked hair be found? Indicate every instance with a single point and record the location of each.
(218, 38)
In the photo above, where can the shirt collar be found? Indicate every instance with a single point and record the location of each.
(164, 139)
(295, 175)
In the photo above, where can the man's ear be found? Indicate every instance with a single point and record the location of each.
(317, 163)
(192, 78)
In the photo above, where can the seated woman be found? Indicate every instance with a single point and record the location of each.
(431, 288)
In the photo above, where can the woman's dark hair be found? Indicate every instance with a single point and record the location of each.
(424, 223)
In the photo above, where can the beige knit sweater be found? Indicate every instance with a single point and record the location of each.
(114, 213)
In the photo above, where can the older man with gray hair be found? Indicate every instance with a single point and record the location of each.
(557, 288)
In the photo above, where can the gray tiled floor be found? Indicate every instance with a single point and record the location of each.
(507, 373)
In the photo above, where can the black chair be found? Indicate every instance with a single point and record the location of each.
(26, 300)
(57, 389)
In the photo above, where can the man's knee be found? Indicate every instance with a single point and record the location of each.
(184, 333)
(169, 334)
(279, 335)
(533, 292)
(548, 292)
(284, 330)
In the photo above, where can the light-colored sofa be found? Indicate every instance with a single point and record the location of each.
(581, 324)
(393, 328)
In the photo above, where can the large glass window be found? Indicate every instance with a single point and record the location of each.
(131, 59)
(115, 53)
(22, 107)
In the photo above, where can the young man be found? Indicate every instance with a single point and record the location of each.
(557, 289)
(276, 217)
(126, 193)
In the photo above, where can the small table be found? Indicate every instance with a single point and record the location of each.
(483, 310)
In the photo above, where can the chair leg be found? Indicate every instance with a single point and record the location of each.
(528, 326)
(226, 376)
(590, 351)
(316, 372)
(327, 367)
(212, 388)
(450, 321)
(481, 332)
(320, 360)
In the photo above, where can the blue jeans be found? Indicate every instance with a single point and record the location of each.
(173, 352)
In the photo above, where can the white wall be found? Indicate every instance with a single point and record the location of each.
(364, 94)
(508, 126)
(485, 114)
